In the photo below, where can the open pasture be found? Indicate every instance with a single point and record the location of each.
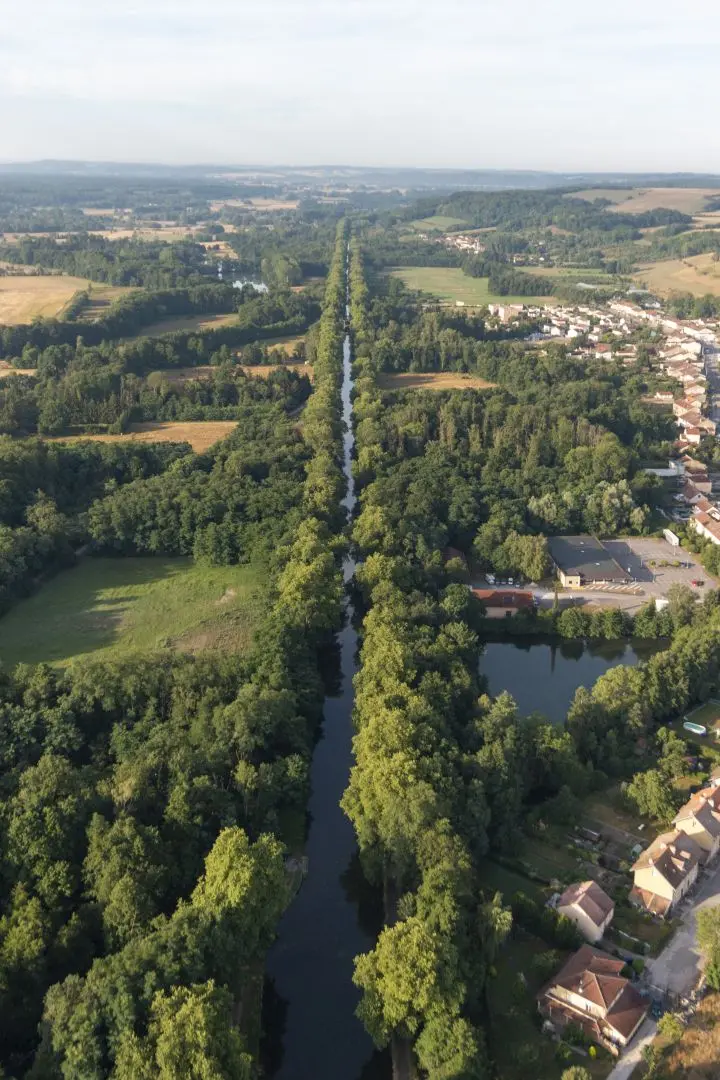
(640, 200)
(107, 608)
(206, 371)
(437, 223)
(452, 285)
(24, 297)
(432, 380)
(698, 274)
(201, 434)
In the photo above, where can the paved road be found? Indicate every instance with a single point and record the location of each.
(677, 968)
(632, 1057)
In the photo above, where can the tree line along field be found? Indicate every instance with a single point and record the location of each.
(453, 285)
(24, 297)
(106, 608)
(184, 323)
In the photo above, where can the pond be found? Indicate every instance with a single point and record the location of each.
(543, 674)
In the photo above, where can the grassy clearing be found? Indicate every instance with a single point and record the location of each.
(699, 1047)
(106, 608)
(450, 283)
(27, 297)
(433, 380)
(708, 714)
(437, 223)
(201, 434)
(552, 861)
(497, 878)
(698, 274)
(206, 371)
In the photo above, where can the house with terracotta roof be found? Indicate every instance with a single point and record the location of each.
(589, 907)
(590, 992)
(700, 819)
(499, 603)
(665, 872)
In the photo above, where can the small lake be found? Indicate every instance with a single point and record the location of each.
(543, 675)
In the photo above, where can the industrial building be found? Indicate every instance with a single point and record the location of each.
(582, 561)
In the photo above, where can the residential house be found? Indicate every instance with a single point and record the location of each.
(665, 871)
(589, 907)
(590, 992)
(499, 603)
(700, 817)
(706, 524)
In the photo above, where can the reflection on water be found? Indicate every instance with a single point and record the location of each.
(543, 675)
(310, 1028)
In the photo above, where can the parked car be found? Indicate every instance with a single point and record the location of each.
(698, 582)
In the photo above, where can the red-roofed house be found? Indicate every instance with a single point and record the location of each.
(589, 907)
(591, 993)
(499, 603)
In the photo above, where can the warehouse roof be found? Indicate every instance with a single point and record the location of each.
(585, 555)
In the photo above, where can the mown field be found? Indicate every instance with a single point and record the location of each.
(24, 297)
(105, 608)
(437, 223)
(201, 434)
(180, 323)
(450, 283)
(698, 274)
(639, 200)
(433, 380)
(205, 371)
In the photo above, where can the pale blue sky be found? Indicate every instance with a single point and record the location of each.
(545, 84)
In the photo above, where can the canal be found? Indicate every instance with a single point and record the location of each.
(310, 1000)
(543, 674)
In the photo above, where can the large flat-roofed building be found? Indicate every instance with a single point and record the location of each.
(582, 560)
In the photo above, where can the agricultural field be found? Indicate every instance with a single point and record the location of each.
(7, 370)
(201, 434)
(289, 344)
(107, 608)
(698, 274)
(433, 380)
(437, 223)
(179, 323)
(451, 284)
(24, 297)
(206, 371)
(639, 200)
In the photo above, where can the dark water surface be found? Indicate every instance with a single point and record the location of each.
(543, 675)
(309, 1009)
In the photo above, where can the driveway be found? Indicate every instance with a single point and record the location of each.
(677, 968)
(633, 1056)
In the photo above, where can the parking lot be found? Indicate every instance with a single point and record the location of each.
(636, 553)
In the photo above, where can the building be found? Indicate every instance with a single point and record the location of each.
(582, 560)
(499, 603)
(665, 872)
(700, 819)
(706, 523)
(589, 907)
(590, 992)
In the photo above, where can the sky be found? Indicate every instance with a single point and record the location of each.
(538, 84)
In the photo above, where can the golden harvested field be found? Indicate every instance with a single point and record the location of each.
(697, 274)
(289, 344)
(7, 369)
(201, 434)
(205, 371)
(24, 297)
(433, 380)
(638, 200)
(184, 322)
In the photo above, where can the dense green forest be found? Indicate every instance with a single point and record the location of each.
(144, 802)
(445, 776)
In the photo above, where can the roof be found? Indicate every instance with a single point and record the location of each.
(704, 807)
(590, 898)
(652, 902)
(512, 598)
(595, 976)
(585, 556)
(673, 854)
